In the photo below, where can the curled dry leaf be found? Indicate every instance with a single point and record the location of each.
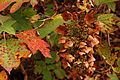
(75, 16)
(87, 49)
(65, 64)
(62, 30)
(88, 78)
(92, 41)
(86, 64)
(91, 69)
(89, 18)
(67, 16)
(62, 54)
(82, 44)
(69, 57)
(62, 40)
(91, 64)
(91, 59)
(93, 31)
(82, 53)
(68, 44)
(99, 25)
(62, 50)
(77, 62)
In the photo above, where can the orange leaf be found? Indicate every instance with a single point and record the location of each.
(34, 43)
(3, 75)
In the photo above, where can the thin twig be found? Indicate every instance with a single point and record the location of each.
(56, 4)
(38, 77)
(49, 17)
(39, 25)
(108, 36)
(24, 72)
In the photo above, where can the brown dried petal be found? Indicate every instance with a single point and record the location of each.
(91, 64)
(68, 44)
(98, 25)
(86, 64)
(90, 38)
(61, 30)
(88, 49)
(78, 62)
(89, 18)
(82, 53)
(83, 43)
(67, 16)
(91, 59)
(62, 54)
(62, 50)
(62, 40)
(81, 46)
(69, 57)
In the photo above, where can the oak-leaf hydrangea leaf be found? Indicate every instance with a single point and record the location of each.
(33, 42)
(8, 49)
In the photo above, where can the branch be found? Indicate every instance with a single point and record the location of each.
(24, 72)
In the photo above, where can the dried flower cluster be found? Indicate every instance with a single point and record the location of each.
(77, 56)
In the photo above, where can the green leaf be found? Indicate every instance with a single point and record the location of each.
(107, 19)
(47, 75)
(8, 49)
(113, 76)
(118, 24)
(111, 5)
(7, 24)
(40, 66)
(49, 11)
(52, 67)
(60, 74)
(117, 67)
(54, 38)
(29, 12)
(51, 60)
(51, 26)
(21, 23)
(99, 2)
(112, 59)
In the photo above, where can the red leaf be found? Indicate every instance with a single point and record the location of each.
(34, 43)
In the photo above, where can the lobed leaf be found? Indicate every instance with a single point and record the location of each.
(7, 23)
(107, 20)
(51, 26)
(112, 59)
(8, 49)
(99, 2)
(113, 76)
(34, 43)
